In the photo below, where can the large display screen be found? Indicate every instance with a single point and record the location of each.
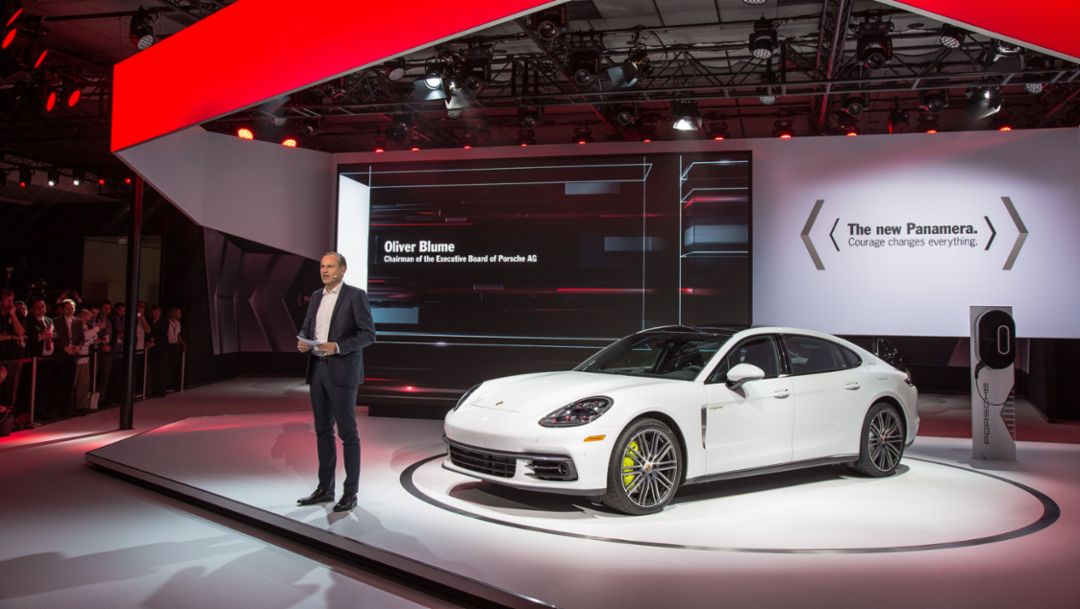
(535, 254)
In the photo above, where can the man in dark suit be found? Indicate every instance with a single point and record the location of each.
(339, 320)
(69, 339)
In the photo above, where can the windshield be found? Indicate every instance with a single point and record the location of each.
(672, 355)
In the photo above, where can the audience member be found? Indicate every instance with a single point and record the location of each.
(69, 338)
(40, 342)
(21, 311)
(81, 390)
(156, 352)
(176, 348)
(105, 345)
(12, 340)
(116, 377)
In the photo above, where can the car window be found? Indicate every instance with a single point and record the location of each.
(674, 355)
(809, 355)
(758, 350)
(851, 358)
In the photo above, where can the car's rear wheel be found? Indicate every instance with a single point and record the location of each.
(645, 468)
(882, 443)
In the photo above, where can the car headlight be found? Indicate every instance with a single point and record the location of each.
(579, 413)
(465, 396)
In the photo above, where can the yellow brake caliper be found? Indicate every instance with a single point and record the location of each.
(628, 464)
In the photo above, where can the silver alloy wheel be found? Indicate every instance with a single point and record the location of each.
(886, 440)
(649, 468)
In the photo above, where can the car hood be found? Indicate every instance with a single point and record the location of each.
(541, 393)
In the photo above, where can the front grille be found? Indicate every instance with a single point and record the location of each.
(482, 461)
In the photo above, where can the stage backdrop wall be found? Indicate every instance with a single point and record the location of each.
(924, 226)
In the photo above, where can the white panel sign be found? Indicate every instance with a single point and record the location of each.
(901, 234)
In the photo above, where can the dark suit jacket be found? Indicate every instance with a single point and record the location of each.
(62, 338)
(34, 329)
(351, 328)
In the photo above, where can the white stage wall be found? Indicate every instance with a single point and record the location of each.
(262, 191)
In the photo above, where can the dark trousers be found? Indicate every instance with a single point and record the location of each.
(335, 404)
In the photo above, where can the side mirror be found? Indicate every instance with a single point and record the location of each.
(743, 373)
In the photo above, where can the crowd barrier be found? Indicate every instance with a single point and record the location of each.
(25, 402)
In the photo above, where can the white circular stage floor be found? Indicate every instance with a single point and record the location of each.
(925, 505)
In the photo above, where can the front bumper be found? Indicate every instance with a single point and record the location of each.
(527, 456)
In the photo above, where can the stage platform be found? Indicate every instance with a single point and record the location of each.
(942, 532)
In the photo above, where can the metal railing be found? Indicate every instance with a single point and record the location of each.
(15, 376)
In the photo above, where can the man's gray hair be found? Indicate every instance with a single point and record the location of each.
(340, 258)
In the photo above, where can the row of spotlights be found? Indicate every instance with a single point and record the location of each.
(52, 178)
(247, 134)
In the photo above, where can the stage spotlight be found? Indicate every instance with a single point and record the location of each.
(874, 46)
(933, 101)
(549, 23)
(395, 69)
(763, 39)
(647, 131)
(951, 37)
(380, 144)
(767, 98)
(848, 124)
(8, 38)
(77, 177)
(25, 177)
(530, 117)
(468, 139)
(928, 122)
(983, 102)
(782, 129)
(687, 116)
(127, 181)
(1005, 128)
(41, 59)
(584, 60)
(74, 97)
(432, 85)
(289, 142)
(50, 101)
(245, 134)
(460, 98)
(53, 177)
(1033, 88)
(719, 131)
(854, 104)
(1002, 57)
(754, 2)
(898, 120)
(141, 31)
(101, 181)
(583, 135)
(626, 116)
(526, 137)
(628, 73)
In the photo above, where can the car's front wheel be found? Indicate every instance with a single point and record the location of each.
(645, 468)
(882, 443)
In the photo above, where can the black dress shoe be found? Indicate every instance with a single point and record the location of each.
(346, 503)
(321, 495)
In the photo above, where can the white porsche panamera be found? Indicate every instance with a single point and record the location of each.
(678, 405)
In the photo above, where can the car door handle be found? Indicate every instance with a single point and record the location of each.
(781, 393)
(851, 386)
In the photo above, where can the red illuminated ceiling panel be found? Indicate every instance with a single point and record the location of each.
(1049, 26)
(255, 50)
